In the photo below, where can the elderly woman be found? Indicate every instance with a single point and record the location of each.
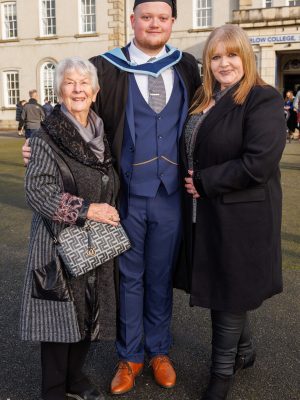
(66, 324)
(231, 148)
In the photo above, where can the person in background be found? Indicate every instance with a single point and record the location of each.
(19, 109)
(47, 107)
(32, 114)
(291, 117)
(297, 108)
(66, 315)
(232, 144)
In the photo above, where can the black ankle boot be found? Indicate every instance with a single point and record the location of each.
(218, 387)
(244, 361)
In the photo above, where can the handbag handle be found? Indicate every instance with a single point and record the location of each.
(50, 231)
(67, 178)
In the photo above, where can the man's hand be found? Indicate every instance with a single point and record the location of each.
(26, 152)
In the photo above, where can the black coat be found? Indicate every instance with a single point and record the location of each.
(237, 256)
(49, 312)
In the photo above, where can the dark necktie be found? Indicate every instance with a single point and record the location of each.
(157, 92)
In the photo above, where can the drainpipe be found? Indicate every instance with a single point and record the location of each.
(125, 22)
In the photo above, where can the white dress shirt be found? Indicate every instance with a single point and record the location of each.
(139, 57)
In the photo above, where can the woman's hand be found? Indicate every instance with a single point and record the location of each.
(103, 212)
(189, 185)
(26, 152)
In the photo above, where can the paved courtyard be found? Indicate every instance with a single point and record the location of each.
(276, 325)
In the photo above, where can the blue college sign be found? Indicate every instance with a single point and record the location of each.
(275, 39)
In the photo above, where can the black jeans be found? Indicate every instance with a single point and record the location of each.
(30, 132)
(230, 336)
(62, 365)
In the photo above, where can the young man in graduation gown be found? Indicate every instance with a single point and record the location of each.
(144, 130)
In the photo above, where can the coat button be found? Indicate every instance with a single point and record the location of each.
(105, 178)
(160, 137)
(91, 280)
(127, 174)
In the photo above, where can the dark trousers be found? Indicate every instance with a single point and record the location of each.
(30, 132)
(62, 365)
(154, 229)
(230, 336)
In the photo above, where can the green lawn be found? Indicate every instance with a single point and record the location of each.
(14, 213)
(15, 216)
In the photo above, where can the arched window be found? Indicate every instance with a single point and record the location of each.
(47, 82)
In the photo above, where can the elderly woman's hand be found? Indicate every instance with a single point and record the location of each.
(189, 185)
(103, 212)
(26, 152)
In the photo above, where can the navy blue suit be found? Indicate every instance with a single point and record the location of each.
(145, 146)
(150, 213)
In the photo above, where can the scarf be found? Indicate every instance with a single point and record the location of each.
(92, 134)
(75, 141)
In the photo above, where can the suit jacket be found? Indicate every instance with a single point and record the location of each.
(236, 257)
(111, 101)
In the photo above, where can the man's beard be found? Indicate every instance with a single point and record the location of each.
(156, 46)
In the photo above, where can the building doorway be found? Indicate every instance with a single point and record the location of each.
(288, 71)
(291, 73)
(291, 82)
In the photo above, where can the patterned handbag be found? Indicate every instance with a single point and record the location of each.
(85, 248)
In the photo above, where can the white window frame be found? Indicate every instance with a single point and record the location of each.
(288, 3)
(10, 101)
(14, 29)
(47, 81)
(268, 3)
(82, 23)
(45, 19)
(200, 10)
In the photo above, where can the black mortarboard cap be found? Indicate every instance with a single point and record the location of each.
(172, 4)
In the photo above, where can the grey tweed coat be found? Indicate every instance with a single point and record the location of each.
(61, 321)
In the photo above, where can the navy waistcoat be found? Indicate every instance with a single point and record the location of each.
(150, 148)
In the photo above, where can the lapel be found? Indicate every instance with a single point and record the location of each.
(129, 113)
(223, 107)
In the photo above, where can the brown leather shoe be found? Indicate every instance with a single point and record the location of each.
(163, 371)
(123, 381)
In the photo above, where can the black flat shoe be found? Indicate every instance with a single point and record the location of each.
(243, 362)
(89, 394)
(218, 387)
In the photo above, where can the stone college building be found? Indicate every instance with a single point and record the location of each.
(36, 34)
